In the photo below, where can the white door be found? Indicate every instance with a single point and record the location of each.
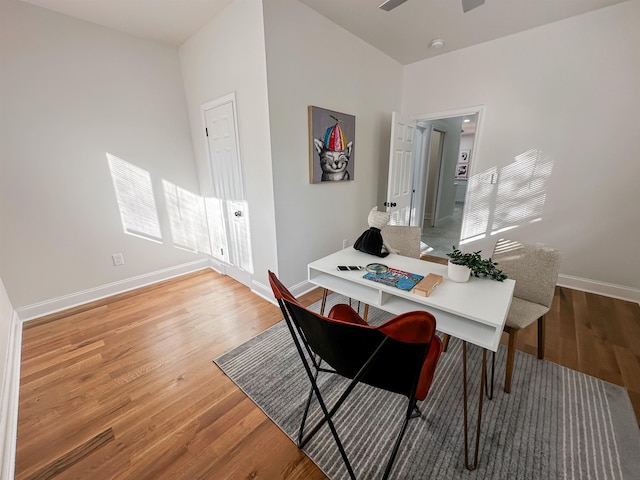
(401, 158)
(227, 210)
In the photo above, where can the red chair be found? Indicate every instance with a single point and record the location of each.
(399, 356)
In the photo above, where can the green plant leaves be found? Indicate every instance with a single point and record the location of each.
(479, 267)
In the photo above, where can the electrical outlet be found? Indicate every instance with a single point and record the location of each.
(118, 259)
(345, 243)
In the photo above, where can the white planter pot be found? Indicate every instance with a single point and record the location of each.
(458, 273)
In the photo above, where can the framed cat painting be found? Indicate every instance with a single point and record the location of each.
(331, 145)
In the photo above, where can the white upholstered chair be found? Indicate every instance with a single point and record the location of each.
(405, 240)
(535, 270)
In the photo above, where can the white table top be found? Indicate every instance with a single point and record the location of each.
(474, 311)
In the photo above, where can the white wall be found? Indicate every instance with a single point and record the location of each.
(70, 92)
(6, 314)
(569, 90)
(10, 342)
(312, 61)
(466, 143)
(227, 55)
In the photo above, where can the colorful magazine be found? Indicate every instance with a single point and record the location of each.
(395, 278)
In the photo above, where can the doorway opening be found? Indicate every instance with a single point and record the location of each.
(444, 162)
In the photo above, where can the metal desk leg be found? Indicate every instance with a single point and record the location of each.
(324, 300)
(483, 372)
(489, 391)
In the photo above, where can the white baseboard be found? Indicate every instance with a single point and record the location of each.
(216, 265)
(9, 400)
(302, 288)
(265, 292)
(600, 288)
(65, 302)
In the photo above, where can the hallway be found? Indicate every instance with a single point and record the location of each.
(438, 241)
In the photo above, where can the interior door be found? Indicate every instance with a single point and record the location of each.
(401, 158)
(227, 211)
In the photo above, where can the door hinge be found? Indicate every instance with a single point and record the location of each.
(222, 252)
(206, 131)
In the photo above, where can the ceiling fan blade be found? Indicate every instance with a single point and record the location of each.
(470, 4)
(391, 4)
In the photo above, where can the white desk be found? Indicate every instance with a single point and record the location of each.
(474, 311)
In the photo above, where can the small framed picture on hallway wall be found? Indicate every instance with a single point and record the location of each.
(462, 169)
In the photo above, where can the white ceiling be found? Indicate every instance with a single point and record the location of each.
(166, 21)
(403, 33)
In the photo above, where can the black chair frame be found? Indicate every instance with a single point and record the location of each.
(312, 364)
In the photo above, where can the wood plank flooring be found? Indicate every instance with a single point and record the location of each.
(125, 388)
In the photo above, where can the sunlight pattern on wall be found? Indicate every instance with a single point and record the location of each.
(480, 196)
(188, 219)
(522, 190)
(517, 193)
(134, 194)
(208, 225)
(507, 246)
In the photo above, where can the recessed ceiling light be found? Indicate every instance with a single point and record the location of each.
(437, 43)
(466, 120)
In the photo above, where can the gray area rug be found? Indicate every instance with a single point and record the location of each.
(555, 424)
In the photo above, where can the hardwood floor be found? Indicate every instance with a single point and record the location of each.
(126, 388)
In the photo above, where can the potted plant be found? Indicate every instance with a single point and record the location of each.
(462, 265)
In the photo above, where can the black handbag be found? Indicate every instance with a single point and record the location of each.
(371, 242)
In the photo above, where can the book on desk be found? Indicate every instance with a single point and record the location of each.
(420, 284)
(395, 278)
(428, 284)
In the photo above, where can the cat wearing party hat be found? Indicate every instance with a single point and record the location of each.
(334, 152)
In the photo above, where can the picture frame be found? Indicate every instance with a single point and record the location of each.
(464, 156)
(462, 170)
(331, 145)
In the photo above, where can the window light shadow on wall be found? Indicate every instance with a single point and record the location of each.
(134, 194)
(198, 225)
(517, 191)
(508, 246)
(187, 218)
(208, 225)
(480, 195)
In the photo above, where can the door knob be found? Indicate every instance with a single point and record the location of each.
(238, 213)
(390, 204)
